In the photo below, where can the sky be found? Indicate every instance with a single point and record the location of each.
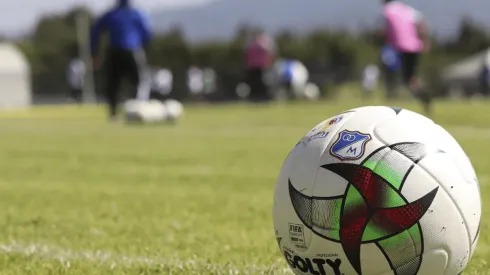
(17, 17)
(21, 15)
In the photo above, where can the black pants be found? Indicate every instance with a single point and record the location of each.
(255, 80)
(123, 64)
(409, 69)
(410, 64)
(391, 79)
(76, 94)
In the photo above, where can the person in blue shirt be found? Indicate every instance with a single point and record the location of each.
(485, 79)
(129, 35)
(391, 64)
(286, 76)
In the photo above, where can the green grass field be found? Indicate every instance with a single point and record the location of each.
(81, 196)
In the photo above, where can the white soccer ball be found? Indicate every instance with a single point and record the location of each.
(145, 111)
(377, 190)
(174, 109)
(311, 92)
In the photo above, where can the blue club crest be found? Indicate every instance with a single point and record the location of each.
(350, 145)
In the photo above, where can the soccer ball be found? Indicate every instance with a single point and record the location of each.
(153, 111)
(311, 92)
(142, 111)
(377, 190)
(174, 110)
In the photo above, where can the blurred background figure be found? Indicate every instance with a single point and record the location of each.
(485, 78)
(407, 32)
(129, 35)
(290, 78)
(209, 81)
(259, 57)
(390, 64)
(75, 75)
(370, 79)
(195, 80)
(162, 83)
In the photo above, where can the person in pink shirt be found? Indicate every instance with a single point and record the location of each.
(406, 30)
(259, 56)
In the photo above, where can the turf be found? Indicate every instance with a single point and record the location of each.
(81, 196)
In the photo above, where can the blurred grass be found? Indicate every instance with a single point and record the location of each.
(192, 198)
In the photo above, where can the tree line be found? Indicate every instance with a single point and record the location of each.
(337, 55)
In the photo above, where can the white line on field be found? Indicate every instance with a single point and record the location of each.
(65, 256)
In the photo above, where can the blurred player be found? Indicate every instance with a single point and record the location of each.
(390, 64)
(162, 83)
(209, 79)
(370, 79)
(195, 80)
(292, 77)
(285, 76)
(484, 78)
(259, 57)
(407, 32)
(76, 77)
(129, 35)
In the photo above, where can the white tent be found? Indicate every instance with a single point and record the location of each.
(467, 69)
(15, 81)
(463, 77)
